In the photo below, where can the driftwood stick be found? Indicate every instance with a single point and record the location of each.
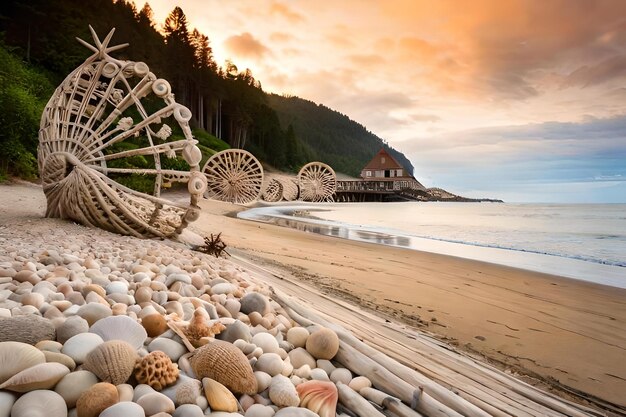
(393, 404)
(384, 380)
(352, 400)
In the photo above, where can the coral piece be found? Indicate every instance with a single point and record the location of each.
(157, 370)
(323, 344)
(319, 397)
(187, 392)
(41, 376)
(226, 364)
(101, 104)
(219, 397)
(17, 356)
(26, 329)
(199, 328)
(112, 361)
(96, 399)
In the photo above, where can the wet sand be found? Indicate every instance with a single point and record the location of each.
(566, 333)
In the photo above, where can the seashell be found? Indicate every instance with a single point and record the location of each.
(199, 328)
(319, 397)
(72, 385)
(283, 393)
(60, 358)
(96, 399)
(78, 347)
(226, 364)
(322, 344)
(188, 410)
(170, 347)
(120, 328)
(295, 412)
(17, 356)
(26, 329)
(259, 410)
(297, 336)
(39, 403)
(219, 397)
(6, 402)
(157, 370)
(126, 409)
(342, 375)
(156, 402)
(112, 361)
(41, 376)
(154, 324)
(266, 341)
(300, 357)
(92, 312)
(269, 363)
(255, 301)
(360, 382)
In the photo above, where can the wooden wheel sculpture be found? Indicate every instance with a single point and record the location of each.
(317, 182)
(274, 191)
(233, 175)
(106, 130)
(290, 189)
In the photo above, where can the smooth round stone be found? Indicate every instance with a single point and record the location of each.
(255, 301)
(263, 380)
(342, 375)
(172, 278)
(233, 306)
(6, 402)
(156, 402)
(319, 375)
(170, 347)
(78, 347)
(300, 357)
(117, 287)
(125, 391)
(266, 341)
(93, 312)
(259, 410)
(188, 410)
(234, 331)
(71, 327)
(359, 383)
(326, 365)
(270, 363)
(125, 409)
(141, 390)
(72, 385)
(223, 288)
(295, 412)
(297, 336)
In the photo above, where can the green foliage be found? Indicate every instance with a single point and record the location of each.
(137, 182)
(209, 141)
(23, 92)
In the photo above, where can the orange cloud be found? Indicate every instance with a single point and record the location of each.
(245, 45)
(283, 10)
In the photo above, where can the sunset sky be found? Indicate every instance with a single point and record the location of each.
(519, 100)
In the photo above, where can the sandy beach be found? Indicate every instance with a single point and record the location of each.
(562, 335)
(568, 333)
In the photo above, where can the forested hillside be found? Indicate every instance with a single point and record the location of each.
(38, 49)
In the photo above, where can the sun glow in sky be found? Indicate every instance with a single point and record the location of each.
(519, 100)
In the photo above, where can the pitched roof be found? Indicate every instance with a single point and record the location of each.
(377, 162)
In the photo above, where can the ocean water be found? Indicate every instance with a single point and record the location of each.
(581, 241)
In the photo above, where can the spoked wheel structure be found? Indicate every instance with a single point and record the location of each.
(274, 191)
(233, 175)
(317, 182)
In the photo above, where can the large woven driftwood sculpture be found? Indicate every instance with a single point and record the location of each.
(317, 182)
(233, 175)
(273, 192)
(105, 120)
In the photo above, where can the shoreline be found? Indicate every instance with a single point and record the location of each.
(563, 334)
(566, 332)
(300, 217)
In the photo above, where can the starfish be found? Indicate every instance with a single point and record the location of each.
(101, 48)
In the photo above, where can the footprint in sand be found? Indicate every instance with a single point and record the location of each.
(481, 338)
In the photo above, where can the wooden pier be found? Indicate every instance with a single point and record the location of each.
(377, 191)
